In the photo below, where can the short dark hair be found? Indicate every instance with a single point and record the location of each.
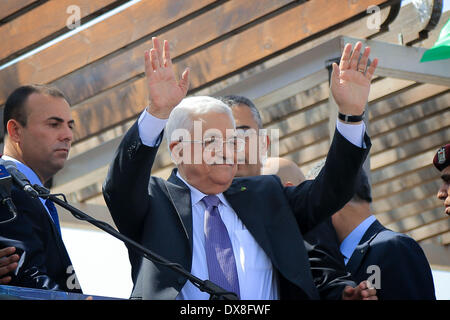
(15, 104)
(234, 100)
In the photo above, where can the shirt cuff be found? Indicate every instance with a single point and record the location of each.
(150, 128)
(352, 132)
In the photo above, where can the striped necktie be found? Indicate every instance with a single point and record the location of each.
(219, 252)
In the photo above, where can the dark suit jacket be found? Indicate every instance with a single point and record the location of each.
(44, 262)
(404, 270)
(157, 214)
(327, 263)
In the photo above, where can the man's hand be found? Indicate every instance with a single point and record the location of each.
(360, 292)
(165, 92)
(8, 263)
(350, 81)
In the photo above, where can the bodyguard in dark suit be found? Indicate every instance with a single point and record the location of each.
(404, 272)
(38, 127)
(239, 232)
(393, 262)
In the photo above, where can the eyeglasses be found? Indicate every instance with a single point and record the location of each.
(241, 132)
(236, 144)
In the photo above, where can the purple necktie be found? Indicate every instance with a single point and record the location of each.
(219, 252)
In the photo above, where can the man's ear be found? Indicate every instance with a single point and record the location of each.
(265, 144)
(176, 152)
(14, 129)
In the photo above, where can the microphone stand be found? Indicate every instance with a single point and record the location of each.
(216, 292)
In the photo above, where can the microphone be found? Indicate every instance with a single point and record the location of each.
(5, 193)
(19, 178)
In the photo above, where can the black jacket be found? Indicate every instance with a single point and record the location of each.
(44, 262)
(397, 260)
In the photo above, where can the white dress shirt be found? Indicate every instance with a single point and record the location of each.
(255, 271)
(254, 268)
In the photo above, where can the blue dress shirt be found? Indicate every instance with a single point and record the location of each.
(352, 240)
(31, 176)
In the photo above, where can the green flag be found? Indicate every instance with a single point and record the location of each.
(441, 49)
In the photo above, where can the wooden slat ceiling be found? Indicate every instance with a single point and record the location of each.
(100, 69)
(30, 28)
(8, 8)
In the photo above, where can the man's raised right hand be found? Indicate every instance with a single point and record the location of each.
(165, 92)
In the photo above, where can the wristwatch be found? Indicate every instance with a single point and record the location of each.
(350, 118)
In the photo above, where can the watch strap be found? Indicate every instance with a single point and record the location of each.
(350, 118)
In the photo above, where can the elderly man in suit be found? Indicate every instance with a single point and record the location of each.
(236, 232)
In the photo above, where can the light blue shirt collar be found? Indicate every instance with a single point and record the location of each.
(352, 240)
(28, 172)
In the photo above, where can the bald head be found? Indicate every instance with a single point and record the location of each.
(287, 170)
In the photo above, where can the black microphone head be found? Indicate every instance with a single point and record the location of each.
(41, 189)
(8, 164)
(19, 178)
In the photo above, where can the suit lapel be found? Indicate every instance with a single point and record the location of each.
(237, 195)
(363, 247)
(62, 251)
(265, 227)
(39, 206)
(180, 197)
